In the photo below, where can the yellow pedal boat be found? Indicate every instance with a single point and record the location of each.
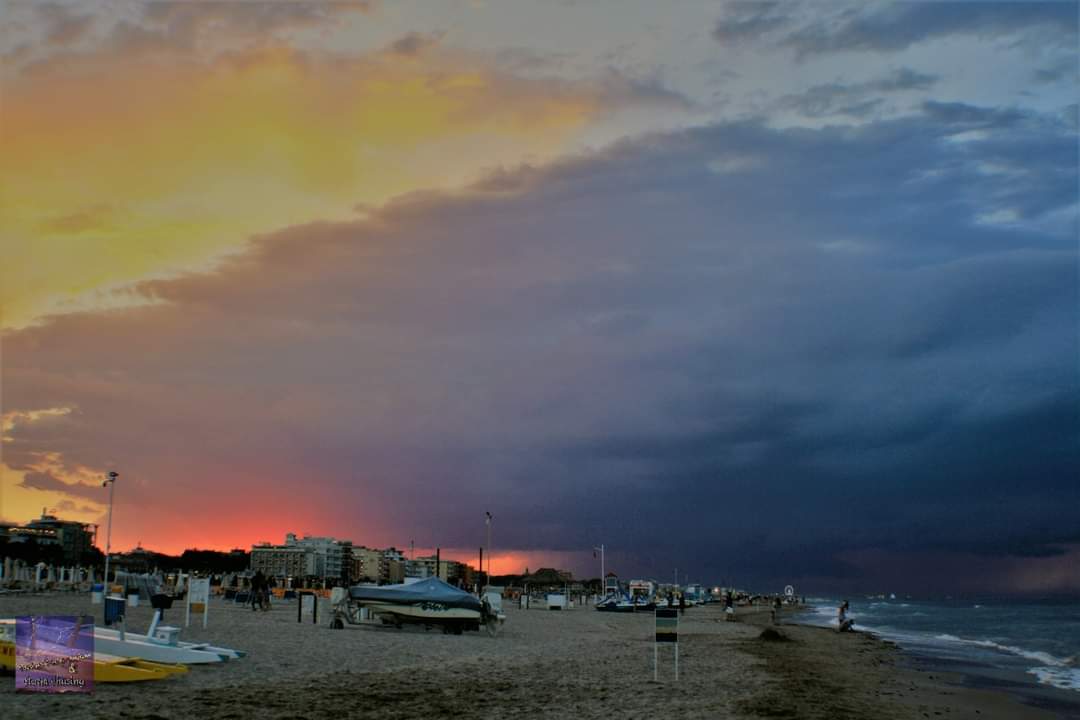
(107, 668)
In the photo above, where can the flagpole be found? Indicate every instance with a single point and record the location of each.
(487, 519)
(111, 482)
(603, 577)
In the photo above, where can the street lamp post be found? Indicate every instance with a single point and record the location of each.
(487, 520)
(603, 576)
(111, 482)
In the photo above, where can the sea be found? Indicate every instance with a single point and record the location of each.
(1036, 640)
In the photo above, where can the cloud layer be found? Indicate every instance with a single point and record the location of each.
(747, 352)
(771, 292)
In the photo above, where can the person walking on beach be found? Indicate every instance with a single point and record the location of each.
(268, 592)
(258, 583)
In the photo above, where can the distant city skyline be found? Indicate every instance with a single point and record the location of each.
(780, 292)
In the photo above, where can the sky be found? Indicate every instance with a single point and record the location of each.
(758, 293)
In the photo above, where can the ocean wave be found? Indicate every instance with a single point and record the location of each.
(1060, 677)
(1037, 655)
(1049, 669)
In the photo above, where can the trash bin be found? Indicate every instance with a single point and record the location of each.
(114, 609)
(97, 593)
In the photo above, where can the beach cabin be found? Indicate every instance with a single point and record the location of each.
(611, 584)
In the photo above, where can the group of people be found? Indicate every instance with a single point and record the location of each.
(259, 594)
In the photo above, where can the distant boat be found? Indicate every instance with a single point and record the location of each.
(615, 602)
(625, 604)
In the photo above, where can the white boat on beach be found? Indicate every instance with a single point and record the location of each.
(429, 602)
(160, 644)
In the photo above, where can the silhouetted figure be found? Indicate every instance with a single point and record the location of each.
(258, 586)
(843, 622)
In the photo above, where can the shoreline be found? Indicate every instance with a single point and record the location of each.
(578, 663)
(972, 689)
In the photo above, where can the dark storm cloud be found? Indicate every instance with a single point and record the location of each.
(971, 116)
(1063, 70)
(746, 21)
(741, 350)
(46, 481)
(892, 27)
(896, 26)
(414, 43)
(855, 99)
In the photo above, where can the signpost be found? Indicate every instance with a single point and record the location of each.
(308, 605)
(667, 631)
(198, 599)
(789, 591)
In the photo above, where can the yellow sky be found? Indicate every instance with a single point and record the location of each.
(114, 171)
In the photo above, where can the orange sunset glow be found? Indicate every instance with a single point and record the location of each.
(131, 161)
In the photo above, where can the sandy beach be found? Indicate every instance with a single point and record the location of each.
(574, 664)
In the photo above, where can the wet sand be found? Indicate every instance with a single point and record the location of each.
(574, 664)
(820, 673)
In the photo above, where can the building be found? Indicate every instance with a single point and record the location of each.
(333, 558)
(282, 561)
(136, 560)
(74, 538)
(321, 557)
(392, 567)
(424, 567)
(366, 564)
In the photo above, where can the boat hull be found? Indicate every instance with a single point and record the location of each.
(431, 613)
(132, 647)
(114, 635)
(108, 668)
